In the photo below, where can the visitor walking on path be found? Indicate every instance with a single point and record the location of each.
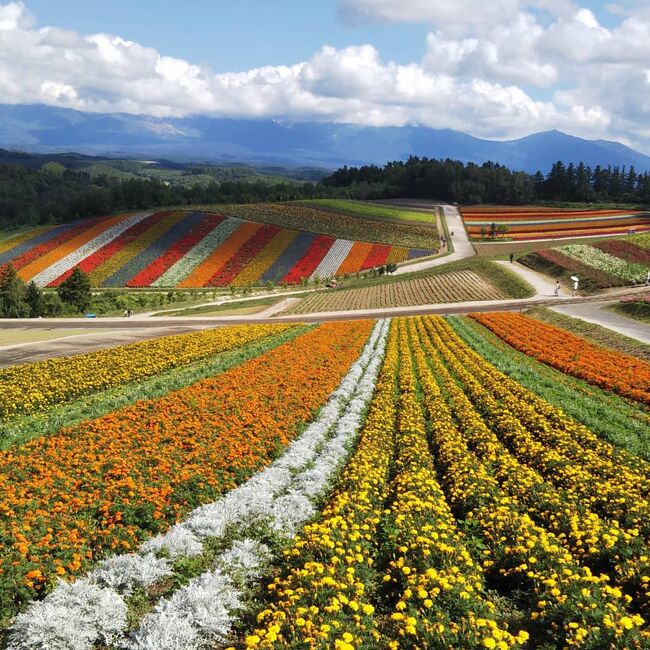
(512, 258)
(557, 288)
(575, 287)
(647, 277)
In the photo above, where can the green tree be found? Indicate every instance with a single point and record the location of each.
(75, 290)
(12, 294)
(34, 298)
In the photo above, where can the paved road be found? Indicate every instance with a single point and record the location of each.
(462, 246)
(543, 285)
(40, 350)
(594, 313)
(140, 328)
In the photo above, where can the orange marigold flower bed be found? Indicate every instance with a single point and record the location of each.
(105, 485)
(556, 347)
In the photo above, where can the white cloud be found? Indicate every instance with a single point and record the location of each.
(450, 16)
(531, 72)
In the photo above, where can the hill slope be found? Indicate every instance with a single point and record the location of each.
(198, 249)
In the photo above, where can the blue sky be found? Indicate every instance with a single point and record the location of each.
(232, 36)
(492, 68)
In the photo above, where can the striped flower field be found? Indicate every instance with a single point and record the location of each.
(543, 223)
(359, 485)
(189, 249)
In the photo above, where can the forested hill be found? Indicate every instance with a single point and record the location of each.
(54, 193)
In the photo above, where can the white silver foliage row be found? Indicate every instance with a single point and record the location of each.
(278, 499)
(202, 613)
(122, 573)
(179, 541)
(333, 259)
(73, 617)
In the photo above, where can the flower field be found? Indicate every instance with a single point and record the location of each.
(191, 249)
(609, 263)
(532, 223)
(432, 502)
(456, 286)
(571, 354)
(106, 485)
(37, 386)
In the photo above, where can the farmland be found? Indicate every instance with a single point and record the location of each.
(296, 216)
(372, 211)
(448, 287)
(199, 249)
(602, 264)
(365, 499)
(526, 224)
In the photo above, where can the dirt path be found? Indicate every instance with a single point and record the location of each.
(593, 312)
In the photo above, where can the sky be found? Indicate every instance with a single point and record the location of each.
(492, 68)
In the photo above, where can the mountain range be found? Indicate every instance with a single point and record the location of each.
(39, 128)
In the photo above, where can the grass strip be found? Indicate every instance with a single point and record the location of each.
(595, 333)
(613, 418)
(370, 211)
(24, 428)
(637, 310)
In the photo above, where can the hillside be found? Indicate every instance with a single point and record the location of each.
(286, 244)
(40, 128)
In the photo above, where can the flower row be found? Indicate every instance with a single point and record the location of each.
(602, 261)
(569, 605)
(105, 485)
(191, 249)
(33, 387)
(269, 506)
(571, 354)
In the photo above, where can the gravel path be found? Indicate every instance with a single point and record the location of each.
(594, 313)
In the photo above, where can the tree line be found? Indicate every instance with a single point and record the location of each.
(492, 183)
(20, 300)
(55, 194)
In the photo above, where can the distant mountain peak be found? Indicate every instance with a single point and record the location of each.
(38, 128)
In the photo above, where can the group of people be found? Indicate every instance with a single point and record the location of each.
(574, 291)
(128, 313)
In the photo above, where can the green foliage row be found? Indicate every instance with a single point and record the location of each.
(373, 211)
(621, 422)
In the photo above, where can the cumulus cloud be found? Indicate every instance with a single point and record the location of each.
(559, 69)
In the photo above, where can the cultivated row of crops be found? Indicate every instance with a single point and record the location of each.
(432, 501)
(455, 286)
(609, 263)
(534, 223)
